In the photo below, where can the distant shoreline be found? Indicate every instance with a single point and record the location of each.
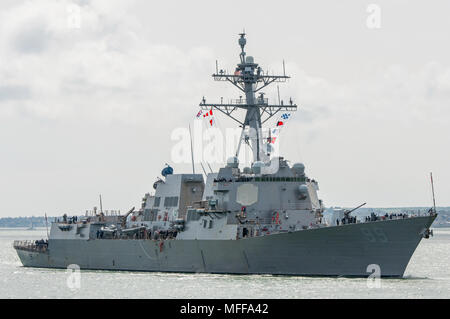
(22, 228)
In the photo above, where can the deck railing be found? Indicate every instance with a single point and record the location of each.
(30, 245)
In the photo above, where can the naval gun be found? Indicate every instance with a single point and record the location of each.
(348, 212)
(124, 218)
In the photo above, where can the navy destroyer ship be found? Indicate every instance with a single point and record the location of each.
(262, 219)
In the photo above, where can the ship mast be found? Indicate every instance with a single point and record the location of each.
(250, 79)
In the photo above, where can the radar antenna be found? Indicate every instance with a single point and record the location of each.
(250, 78)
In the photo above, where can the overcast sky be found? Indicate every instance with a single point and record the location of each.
(88, 102)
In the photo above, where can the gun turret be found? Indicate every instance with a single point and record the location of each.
(347, 213)
(124, 219)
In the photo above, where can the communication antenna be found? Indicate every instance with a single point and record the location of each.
(432, 191)
(101, 206)
(46, 224)
(209, 167)
(192, 151)
(203, 169)
(278, 89)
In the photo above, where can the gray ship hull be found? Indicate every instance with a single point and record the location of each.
(344, 250)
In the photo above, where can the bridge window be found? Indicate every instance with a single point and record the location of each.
(171, 201)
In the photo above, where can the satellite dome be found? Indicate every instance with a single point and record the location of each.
(233, 162)
(167, 171)
(247, 170)
(298, 169)
(303, 189)
(249, 59)
(256, 167)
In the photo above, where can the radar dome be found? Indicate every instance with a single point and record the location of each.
(247, 170)
(303, 189)
(298, 169)
(256, 167)
(249, 59)
(233, 162)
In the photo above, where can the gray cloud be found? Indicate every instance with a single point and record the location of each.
(12, 92)
(32, 37)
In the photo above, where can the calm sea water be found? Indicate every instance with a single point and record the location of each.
(427, 276)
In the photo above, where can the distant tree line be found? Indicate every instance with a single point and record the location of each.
(24, 221)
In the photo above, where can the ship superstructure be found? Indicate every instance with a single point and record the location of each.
(266, 218)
